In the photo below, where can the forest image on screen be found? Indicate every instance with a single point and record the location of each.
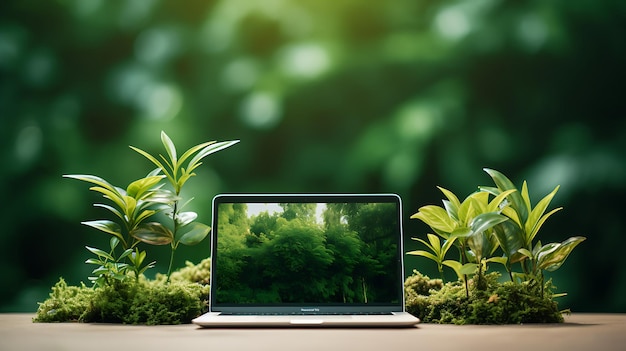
(333, 253)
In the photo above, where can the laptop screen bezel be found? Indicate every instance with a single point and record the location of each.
(308, 308)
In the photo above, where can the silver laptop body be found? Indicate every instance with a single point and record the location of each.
(281, 260)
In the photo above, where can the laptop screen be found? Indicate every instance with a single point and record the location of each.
(317, 253)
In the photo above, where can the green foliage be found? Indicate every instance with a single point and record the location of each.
(501, 230)
(131, 207)
(126, 301)
(183, 228)
(141, 200)
(466, 224)
(519, 235)
(496, 303)
(116, 298)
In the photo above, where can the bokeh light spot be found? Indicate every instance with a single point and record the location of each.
(532, 32)
(453, 23)
(305, 60)
(417, 121)
(157, 45)
(240, 75)
(160, 101)
(261, 110)
(28, 143)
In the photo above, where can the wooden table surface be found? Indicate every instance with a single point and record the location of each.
(597, 332)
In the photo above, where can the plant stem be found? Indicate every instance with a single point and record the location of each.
(169, 269)
(542, 284)
(174, 244)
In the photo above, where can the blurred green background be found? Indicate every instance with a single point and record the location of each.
(326, 96)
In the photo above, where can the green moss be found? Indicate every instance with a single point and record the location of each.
(145, 301)
(65, 304)
(199, 273)
(496, 303)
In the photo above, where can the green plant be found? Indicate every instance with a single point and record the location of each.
(478, 227)
(516, 236)
(183, 229)
(131, 206)
(140, 201)
(468, 225)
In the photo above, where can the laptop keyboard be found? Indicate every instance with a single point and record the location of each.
(306, 314)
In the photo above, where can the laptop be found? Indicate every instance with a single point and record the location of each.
(280, 260)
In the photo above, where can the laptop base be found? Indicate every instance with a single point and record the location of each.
(395, 319)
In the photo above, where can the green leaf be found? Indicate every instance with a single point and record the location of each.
(114, 242)
(95, 261)
(424, 254)
(465, 211)
(494, 205)
(139, 187)
(454, 200)
(452, 211)
(481, 201)
(455, 265)
(512, 214)
(183, 179)
(526, 196)
(171, 150)
(537, 213)
(153, 233)
(130, 204)
(207, 151)
(107, 227)
(427, 244)
(500, 260)
(184, 218)
(460, 233)
(468, 269)
(193, 150)
(511, 239)
(554, 255)
(490, 189)
(538, 225)
(193, 234)
(92, 179)
(111, 209)
(156, 162)
(485, 221)
(144, 215)
(115, 196)
(447, 245)
(137, 257)
(503, 183)
(435, 217)
(526, 253)
(146, 267)
(435, 243)
(101, 270)
(100, 253)
(482, 244)
(125, 253)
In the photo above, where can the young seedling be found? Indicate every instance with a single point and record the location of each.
(182, 229)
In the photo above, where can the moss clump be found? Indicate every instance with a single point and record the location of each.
(65, 304)
(144, 301)
(193, 273)
(494, 303)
